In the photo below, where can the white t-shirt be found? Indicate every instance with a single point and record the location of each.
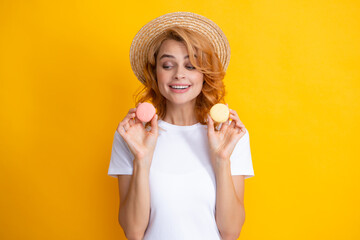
(182, 181)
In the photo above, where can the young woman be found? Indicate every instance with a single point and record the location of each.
(181, 175)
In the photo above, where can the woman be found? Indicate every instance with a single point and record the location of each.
(181, 176)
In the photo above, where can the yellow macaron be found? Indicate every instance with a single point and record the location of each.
(220, 113)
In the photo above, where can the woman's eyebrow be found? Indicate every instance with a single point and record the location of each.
(171, 56)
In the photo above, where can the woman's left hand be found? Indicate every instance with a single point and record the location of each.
(222, 142)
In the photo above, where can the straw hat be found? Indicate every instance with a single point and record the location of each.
(143, 39)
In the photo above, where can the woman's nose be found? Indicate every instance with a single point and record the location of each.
(180, 73)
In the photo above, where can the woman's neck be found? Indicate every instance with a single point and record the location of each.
(182, 115)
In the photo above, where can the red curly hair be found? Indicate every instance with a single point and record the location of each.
(206, 61)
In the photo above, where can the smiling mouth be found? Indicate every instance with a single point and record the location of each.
(180, 87)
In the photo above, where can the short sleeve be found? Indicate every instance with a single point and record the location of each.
(121, 161)
(241, 162)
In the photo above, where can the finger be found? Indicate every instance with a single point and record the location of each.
(224, 126)
(125, 123)
(126, 126)
(154, 125)
(137, 120)
(236, 118)
(232, 124)
(232, 111)
(240, 131)
(121, 131)
(133, 110)
(132, 120)
(210, 124)
(131, 113)
(242, 126)
(243, 129)
(235, 113)
(121, 126)
(128, 116)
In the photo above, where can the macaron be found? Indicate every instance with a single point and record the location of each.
(145, 112)
(220, 113)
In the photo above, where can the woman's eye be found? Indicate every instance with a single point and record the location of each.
(169, 66)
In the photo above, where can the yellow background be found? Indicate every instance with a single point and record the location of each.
(66, 83)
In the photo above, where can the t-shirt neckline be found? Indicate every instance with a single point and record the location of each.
(172, 127)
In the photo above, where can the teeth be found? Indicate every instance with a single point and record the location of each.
(179, 87)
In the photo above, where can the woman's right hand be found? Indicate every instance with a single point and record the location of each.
(140, 141)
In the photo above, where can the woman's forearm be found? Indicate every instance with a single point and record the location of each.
(135, 210)
(230, 213)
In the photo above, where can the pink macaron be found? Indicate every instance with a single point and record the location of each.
(145, 112)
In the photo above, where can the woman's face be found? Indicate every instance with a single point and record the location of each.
(178, 81)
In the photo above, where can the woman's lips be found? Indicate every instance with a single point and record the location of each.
(177, 90)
